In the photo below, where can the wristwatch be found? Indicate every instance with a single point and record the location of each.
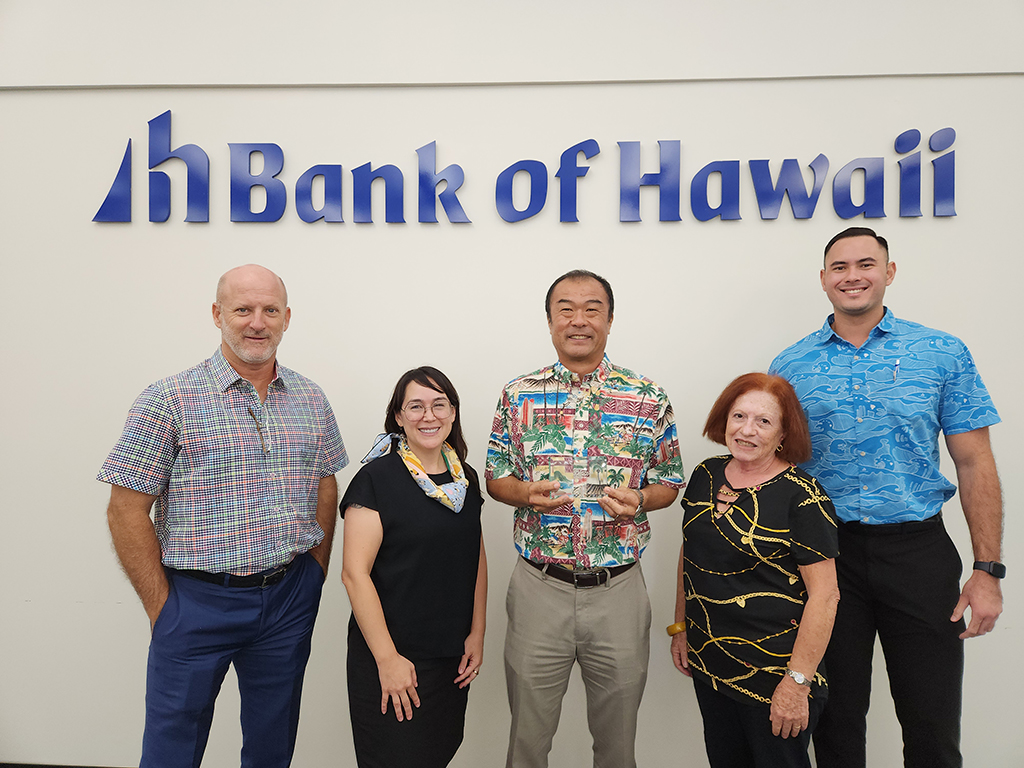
(798, 677)
(991, 566)
(640, 506)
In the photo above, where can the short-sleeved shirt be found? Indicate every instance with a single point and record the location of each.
(744, 594)
(609, 427)
(426, 568)
(236, 479)
(875, 413)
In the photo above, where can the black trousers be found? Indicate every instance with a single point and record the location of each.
(738, 734)
(902, 583)
(430, 739)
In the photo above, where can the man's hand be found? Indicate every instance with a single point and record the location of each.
(539, 495)
(135, 541)
(153, 610)
(620, 503)
(984, 595)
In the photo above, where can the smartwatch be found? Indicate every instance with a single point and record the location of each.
(991, 566)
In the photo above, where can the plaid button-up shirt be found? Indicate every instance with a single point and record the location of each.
(236, 478)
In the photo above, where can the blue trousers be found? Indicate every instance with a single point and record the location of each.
(201, 630)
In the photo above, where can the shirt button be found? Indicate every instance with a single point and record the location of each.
(865, 487)
(863, 454)
(860, 420)
(856, 386)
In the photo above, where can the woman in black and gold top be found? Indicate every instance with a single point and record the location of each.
(757, 591)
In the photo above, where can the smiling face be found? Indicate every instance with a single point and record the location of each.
(753, 429)
(580, 322)
(857, 271)
(426, 435)
(252, 314)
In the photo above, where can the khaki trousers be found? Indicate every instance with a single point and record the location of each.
(551, 626)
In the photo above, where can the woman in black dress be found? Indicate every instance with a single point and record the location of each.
(416, 575)
(757, 592)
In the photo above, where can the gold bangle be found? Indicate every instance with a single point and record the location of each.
(675, 629)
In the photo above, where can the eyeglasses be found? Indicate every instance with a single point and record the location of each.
(441, 409)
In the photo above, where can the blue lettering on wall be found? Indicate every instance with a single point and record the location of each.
(729, 206)
(568, 172)
(791, 184)
(331, 212)
(394, 195)
(666, 180)
(452, 176)
(910, 172)
(243, 181)
(198, 175)
(944, 170)
(537, 173)
(858, 188)
(873, 175)
(117, 205)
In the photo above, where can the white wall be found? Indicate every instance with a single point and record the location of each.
(97, 311)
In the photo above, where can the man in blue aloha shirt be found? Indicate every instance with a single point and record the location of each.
(878, 391)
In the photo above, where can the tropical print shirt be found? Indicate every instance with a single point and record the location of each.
(609, 427)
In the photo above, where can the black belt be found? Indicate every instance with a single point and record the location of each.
(892, 529)
(262, 579)
(588, 579)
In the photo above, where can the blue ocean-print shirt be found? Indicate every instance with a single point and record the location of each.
(875, 414)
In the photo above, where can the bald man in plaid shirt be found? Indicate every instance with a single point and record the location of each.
(239, 454)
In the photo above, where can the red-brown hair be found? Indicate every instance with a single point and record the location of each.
(796, 446)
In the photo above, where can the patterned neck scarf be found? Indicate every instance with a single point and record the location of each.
(452, 495)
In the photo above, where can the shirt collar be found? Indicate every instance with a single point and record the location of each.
(598, 375)
(226, 376)
(886, 325)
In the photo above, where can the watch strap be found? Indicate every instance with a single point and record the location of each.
(798, 677)
(992, 567)
(640, 506)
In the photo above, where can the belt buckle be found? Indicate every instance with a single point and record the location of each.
(275, 575)
(595, 572)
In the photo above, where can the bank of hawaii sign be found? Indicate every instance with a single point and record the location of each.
(857, 189)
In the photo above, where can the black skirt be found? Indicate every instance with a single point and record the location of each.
(430, 738)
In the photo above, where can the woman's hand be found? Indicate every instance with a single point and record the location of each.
(679, 653)
(398, 682)
(789, 711)
(472, 660)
